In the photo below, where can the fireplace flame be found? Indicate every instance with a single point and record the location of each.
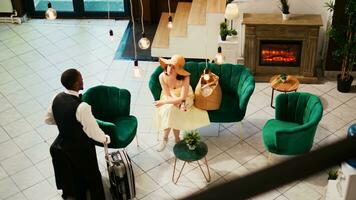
(278, 56)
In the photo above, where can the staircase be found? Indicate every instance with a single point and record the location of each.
(195, 31)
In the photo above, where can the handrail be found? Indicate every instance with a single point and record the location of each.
(282, 173)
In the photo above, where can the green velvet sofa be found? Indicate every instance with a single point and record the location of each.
(111, 107)
(292, 131)
(236, 81)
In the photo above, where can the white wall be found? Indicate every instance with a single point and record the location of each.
(296, 7)
(5, 6)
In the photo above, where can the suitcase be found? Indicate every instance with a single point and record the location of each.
(121, 176)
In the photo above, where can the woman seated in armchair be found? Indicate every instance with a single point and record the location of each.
(175, 109)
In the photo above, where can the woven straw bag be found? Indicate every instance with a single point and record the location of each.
(208, 93)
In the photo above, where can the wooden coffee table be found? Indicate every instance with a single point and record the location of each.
(290, 85)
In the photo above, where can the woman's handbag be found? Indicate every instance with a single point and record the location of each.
(208, 92)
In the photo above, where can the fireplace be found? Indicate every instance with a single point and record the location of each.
(280, 53)
(273, 46)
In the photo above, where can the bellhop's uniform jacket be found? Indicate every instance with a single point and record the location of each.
(73, 151)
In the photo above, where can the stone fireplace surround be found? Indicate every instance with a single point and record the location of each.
(299, 27)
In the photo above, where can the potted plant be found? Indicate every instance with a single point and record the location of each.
(344, 35)
(192, 139)
(283, 77)
(284, 6)
(332, 188)
(224, 31)
(333, 174)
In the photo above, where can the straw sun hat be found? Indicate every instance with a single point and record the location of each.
(177, 61)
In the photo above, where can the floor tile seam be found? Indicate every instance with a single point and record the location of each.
(18, 187)
(6, 95)
(295, 183)
(13, 120)
(242, 164)
(191, 182)
(17, 194)
(160, 187)
(24, 64)
(350, 100)
(27, 148)
(23, 152)
(342, 119)
(6, 173)
(331, 112)
(31, 99)
(244, 138)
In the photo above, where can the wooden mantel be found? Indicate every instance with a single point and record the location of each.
(299, 27)
(276, 19)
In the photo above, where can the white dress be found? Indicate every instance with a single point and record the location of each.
(170, 116)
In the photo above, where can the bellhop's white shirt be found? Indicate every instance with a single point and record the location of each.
(84, 116)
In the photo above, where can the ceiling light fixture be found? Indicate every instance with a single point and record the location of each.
(136, 69)
(170, 19)
(144, 42)
(51, 14)
(111, 35)
(111, 32)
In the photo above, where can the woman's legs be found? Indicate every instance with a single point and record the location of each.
(176, 135)
(164, 142)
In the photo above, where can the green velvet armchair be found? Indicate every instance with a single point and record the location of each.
(111, 108)
(297, 118)
(236, 81)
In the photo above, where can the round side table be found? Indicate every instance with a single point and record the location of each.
(290, 85)
(182, 152)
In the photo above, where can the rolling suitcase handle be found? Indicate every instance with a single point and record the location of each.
(107, 157)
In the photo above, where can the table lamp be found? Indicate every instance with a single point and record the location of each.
(231, 12)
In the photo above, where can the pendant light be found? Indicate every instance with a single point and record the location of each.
(219, 57)
(111, 35)
(111, 32)
(170, 19)
(144, 42)
(136, 69)
(206, 75)
(51, 14)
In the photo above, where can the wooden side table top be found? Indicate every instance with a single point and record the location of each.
(291, 84)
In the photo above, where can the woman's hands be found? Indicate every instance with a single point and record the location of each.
(158, 103)
(162, 102)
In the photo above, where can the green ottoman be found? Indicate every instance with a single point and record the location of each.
(182, 152)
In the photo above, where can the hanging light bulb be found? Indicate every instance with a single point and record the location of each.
(51, 13)
(144, 42)
(206, 75)
(111, 35)
(219, 57)
(136, 70)
(170, 22)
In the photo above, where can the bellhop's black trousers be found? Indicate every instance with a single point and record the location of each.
(76, 170)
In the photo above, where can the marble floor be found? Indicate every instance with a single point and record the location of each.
(32, 57)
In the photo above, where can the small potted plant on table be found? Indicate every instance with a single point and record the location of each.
(192, 139)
